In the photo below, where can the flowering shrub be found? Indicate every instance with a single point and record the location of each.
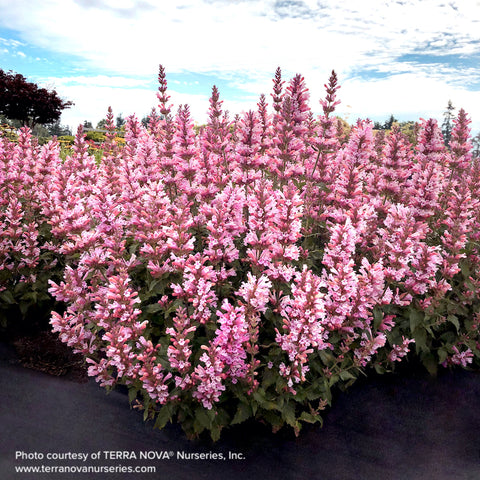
(27, 259)
(246, 269)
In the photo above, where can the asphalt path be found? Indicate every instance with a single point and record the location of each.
(410, 427)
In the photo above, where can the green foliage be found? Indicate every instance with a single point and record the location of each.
(410, 130)
(97, 137)
(25, 304)
(66, 139)
(7, 130)
(58, 130)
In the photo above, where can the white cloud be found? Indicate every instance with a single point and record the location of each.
(91, 104)
(100, 81)
(10, 42)
(415, 97)
(227, 36)
(408, 96)
(243, 41)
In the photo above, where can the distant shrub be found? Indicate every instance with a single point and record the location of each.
(66, 139)
(97, 137)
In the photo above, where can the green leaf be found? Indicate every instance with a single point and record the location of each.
(416, 318)
(7, 297)
(203, 417)
(346, 375)
(453, 319)
(326, 357)
(152, 285)
(269, 378)
(420, 336)
(215, 433)
(448, 337)
(20, 288)
(152, 308)
(327, 392)
(30, 296)
(333, 380)
(377, 317)
(309, 418)
(465, 268)
(244, 412)
(316, 366)
(442, 354)
(173, 307)
(430, 364)
(273, 419)
(163, 417)
(222, 417)
(288, 414)
(471, 286)
(259, 396)
(132, 394)
(313, 392)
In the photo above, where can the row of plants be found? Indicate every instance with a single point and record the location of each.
(94, 140)
(249, 268)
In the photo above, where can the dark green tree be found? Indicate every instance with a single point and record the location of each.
(447, 124)
(476, 146)
(58, 129)
(120, 121)
(101, 124)
(389, 123)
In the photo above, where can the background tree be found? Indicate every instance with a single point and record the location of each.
(145, 120)
(120, 121)
(447, 124)
(101, 124)
(476, 146)
(58, 129)
(27, 102)
(389, 123)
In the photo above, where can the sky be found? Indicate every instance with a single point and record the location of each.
(406, 57)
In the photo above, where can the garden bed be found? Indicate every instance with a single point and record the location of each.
(46, 353)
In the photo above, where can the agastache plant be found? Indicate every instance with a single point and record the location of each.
(247, 268)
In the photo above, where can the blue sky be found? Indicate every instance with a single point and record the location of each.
(406, 58)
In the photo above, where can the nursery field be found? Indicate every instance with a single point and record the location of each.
(250, 269)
